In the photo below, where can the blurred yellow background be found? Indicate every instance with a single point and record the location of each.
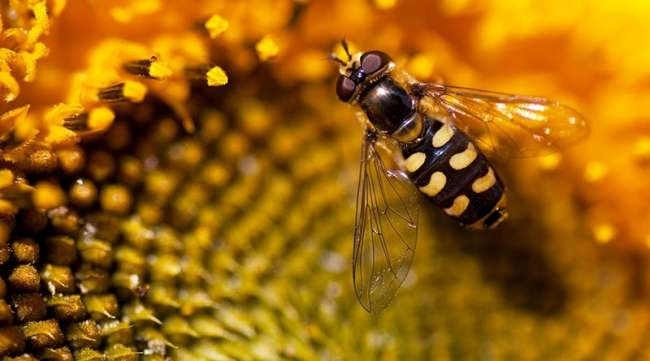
(182, 183)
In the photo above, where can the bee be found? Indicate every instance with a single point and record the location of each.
(434, 140)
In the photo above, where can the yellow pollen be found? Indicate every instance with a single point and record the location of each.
(460, 205)
(415, 161)
(604, 232)
(595, 171)
(59, 135)
(463, 159)
(100, 118)
(436, 184)
(159, 70)
(134, 91)
(216, 77)
(267, 48)
(40, 13)
(385, 4)
(29, 60)
(216, 25)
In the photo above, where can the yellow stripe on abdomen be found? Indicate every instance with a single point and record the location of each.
(436, 184)
(463, 159)
(460, 205)
(484, 183)
(442, 136)
(445, 166)
(415, 161)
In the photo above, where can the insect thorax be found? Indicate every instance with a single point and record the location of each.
(391, 109)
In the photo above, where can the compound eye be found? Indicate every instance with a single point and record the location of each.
(374, 60)
(345, 88)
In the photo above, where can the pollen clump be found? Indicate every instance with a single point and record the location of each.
(604, 232)
(216, 25)
(134, 91)
(267, 48)
(216, 77)
(159, 70)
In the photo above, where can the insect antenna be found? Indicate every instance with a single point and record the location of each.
(344, 44)
(333, 57)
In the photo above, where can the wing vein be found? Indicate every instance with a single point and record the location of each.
(509, 126)
(385, 228)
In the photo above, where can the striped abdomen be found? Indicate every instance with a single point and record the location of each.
(446, 166)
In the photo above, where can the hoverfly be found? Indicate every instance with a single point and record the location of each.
(433, 139)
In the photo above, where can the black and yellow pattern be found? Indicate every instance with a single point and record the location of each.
(447, 167)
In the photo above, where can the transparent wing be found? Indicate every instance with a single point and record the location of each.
(386, 227)
(510, 126)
